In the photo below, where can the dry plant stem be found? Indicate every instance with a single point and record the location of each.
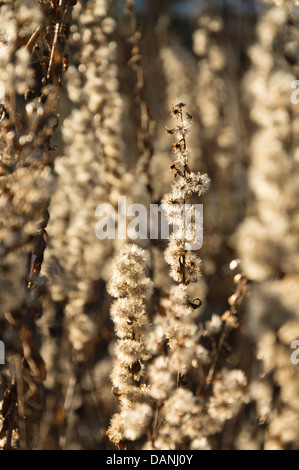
(211, 373)
(58, 29)
(9, 413)
(146, 131)
(182, 209)
(46, 421)
(155, 423)
(68, 405)
(230, 320)
(94, 396)
(33, 39)
(21, 403)
(12, 413)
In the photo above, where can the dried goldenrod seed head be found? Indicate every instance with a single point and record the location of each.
(129, 274)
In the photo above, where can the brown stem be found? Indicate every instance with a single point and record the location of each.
(33, 39)
(211, 372)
